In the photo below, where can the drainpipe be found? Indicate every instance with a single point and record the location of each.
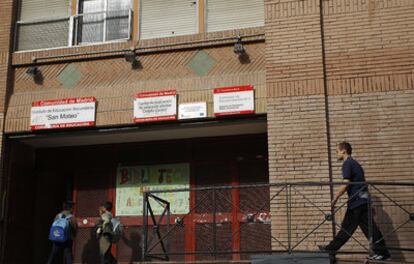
(327, 121)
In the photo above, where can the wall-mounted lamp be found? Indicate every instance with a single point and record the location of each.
(238, 47)
(33, 70)
(132, 58)
(240, 51)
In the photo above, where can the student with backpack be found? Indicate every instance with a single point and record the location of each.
(105, 234)
(62, 233)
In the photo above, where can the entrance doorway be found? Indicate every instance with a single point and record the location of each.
(65, 167)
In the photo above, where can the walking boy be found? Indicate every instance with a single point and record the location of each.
(357, 211)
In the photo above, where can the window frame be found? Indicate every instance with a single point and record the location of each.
(73, 28)
(134, 24)
(73, 13)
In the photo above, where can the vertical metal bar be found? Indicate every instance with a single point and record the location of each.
(168, 227)
(104, 19)
(129, 23)
(235, 207)
(76, 30)
(370, 222)
(70, 33)
(288, 217)
(145, 226)
(214, 225)
(190, 226)
(139, 20)
(15, 37)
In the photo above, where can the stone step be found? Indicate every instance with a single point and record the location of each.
(197, 262)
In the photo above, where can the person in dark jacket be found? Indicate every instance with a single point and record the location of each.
(357, 211)
(64, 247)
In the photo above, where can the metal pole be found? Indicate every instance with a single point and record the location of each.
(289, 226)
(370, 223)
(214, 225)
(145, 226)
(168, 227)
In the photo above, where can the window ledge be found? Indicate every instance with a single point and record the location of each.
(100, 50)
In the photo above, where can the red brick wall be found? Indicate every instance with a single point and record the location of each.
(380, 127)
(296, 118)
(369, 80)
(113, 82)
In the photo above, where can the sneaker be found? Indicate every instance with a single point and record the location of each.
(325, 248)
(379, 257)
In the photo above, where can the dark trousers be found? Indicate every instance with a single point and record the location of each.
(354, 218)
(58, 249)
(105, 253)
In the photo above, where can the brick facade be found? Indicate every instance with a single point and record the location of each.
(113, 82)
(367, 100)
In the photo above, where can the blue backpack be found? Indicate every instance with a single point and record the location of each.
(60, 229)
(117, 229)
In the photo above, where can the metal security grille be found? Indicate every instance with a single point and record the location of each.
(129, 248)
(273, 218)
(207, 242)
(92, 191)
(86, 246)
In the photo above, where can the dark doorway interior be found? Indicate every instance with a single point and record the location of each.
(34, 198)
(42, 179)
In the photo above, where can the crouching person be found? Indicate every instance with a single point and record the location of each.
(62, 233)
(105, 234)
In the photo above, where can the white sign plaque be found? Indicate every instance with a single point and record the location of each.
(192, 110)
(155, 106)
(63, 113)
(237, 100)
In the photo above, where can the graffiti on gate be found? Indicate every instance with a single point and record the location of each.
(133, 181)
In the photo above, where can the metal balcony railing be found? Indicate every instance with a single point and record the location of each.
(235, 222)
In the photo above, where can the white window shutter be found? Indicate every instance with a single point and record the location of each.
(43, 9)
(51, 32)
(234, 14)
(165, 18)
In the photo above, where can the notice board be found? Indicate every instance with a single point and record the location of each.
(133, 181)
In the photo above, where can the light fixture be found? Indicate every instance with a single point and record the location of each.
(238, 47)
(33, 70)
(132, 58)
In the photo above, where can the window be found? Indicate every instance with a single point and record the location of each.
(233, 14)
(63, 23)
(48, 23)
(166, 18)
(103, 20)
(42, 24)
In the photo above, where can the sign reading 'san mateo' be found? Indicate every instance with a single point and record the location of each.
(63, 113)
(155, 106)
(236, 100)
